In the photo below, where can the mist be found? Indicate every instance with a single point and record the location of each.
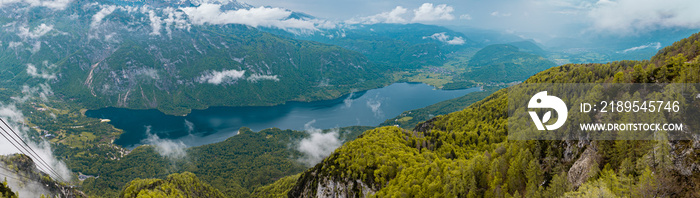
(318, 145)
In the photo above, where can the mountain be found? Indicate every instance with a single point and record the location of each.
(176, 185)
(22, 178)
(506, 63)
(467, 154)
(402, 46)
(151, 54)
(529, 47)
(236, 167)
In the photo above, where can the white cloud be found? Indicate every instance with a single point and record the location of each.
(348, 101)
(442, 37)
(465, 17)
(53, 4)
(14, 45)
(39, 31)
(165, 147)
(97, 18)
(375, 105)
(425, 13)
(318, 145)
(258, 77)
(499, 14)
(175, 19)
(261, 16)
(393, 16)
(428, 12)
(655, 45)
(32, 71)
(218, 77)
(155, 22)
(43, 92)
(15, 119)
(632, 16)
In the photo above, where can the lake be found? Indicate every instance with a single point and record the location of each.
(215, 124)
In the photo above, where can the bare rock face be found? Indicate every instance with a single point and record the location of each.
(581, 170)
(684, 156)
(344, 188)
(315, 183)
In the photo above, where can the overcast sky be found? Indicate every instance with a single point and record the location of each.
(551, 17)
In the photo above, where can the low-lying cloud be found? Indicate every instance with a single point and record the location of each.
(318, 145)
(218, 77)
(442, 37)
(15, 119)
(32, 71)
(43, 91)
(375, 105)
(655, 45)
(258, 77)
(164, 147)
(260, 16)
(97, 18)
(25, 33)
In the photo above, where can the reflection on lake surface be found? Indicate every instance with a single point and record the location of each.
(215, 124)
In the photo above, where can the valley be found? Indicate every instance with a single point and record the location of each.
(225, 99)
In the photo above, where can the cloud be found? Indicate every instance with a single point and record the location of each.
(39, 31)
(25, 188)
(175, 19)
(499, 14)
(155, 22)
(32, 71)
(189, 126)
(465, 17)
(393, 16)
(318, 145)
(218, 77)
(258, 77)
(261, 16)
(97, 18)
(634, 16)
(348, 101)
(14, 45)
(375, 105)
(428, 12)
(655, 45)
(53, 4)
(15, 119)
(165, 147)
(425, 13)
(442, 37)
(43, 92)
(149, 72)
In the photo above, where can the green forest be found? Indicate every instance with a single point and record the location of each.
(467, 153)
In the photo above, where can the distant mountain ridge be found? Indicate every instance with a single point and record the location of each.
(146, 54)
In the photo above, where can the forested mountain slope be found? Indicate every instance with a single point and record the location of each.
(402, 46)
(467, 154)
(506, 63)
(152, 54)
(176, 185)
